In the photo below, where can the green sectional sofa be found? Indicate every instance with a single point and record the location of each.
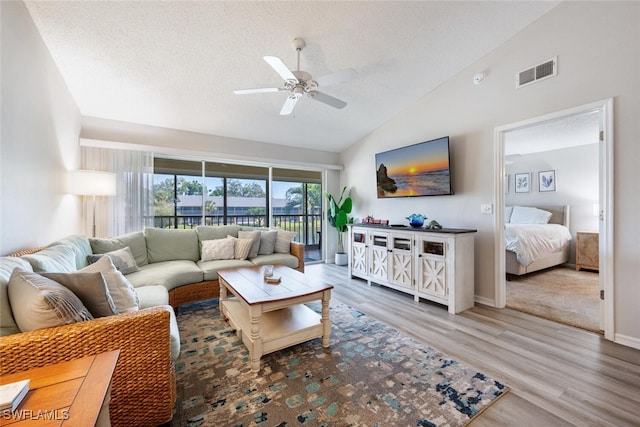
(166, 268)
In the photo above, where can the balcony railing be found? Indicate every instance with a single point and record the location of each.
(311, 224)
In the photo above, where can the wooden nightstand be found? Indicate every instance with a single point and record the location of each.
(587, 251)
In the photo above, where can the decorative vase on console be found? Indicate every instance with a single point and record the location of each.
(416, 220)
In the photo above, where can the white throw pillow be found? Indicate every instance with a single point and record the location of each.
(217, 249)
(122, 292)
(528, 215)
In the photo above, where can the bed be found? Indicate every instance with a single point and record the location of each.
(530, 243)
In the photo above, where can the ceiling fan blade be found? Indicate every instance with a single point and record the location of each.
(257, 90)
(338, 77)
(277, 64)
(327, 99)
(289, 104)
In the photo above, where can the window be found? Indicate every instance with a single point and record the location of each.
(190, 193)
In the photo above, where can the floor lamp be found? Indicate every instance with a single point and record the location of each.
(92, 183)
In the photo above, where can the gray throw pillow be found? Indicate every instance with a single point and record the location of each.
(38, 302)
(283, 241)
(267, 242)
(255, 237)
(91, 288)
(122, 292)
(122, 259)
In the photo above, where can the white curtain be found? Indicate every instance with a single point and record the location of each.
(131, 209)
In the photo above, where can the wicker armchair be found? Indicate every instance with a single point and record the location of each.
(143, 390)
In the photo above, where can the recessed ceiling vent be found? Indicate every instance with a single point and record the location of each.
(538, 72)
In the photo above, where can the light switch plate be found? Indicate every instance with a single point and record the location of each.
(486, 209)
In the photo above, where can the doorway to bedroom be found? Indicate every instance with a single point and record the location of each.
(554, 163)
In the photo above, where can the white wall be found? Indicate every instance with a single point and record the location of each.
(39, 139)
(597, 48)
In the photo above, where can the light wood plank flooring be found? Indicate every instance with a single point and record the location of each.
(558, 375)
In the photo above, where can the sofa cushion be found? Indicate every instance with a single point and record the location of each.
(275, 259)
(171, 244)
(169, 274)
(211, 268)
(267, 242)
(283, 241)
(122, 258)
(38, 302)
(212, 232)
(122, 292)
(58, 258)
(217, 249)
(91, 288)
(135, 241)
(81, 246)
(8, 325)
(254, 235)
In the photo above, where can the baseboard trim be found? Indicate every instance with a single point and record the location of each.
(627, 341)
(485, 301)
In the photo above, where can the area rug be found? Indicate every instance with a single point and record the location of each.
(560, 294)
(371, 375)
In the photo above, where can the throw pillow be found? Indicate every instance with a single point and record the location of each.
(267, 242)
(91, 288)
(122, 292)
(283, 241)
(217, 249)
(255, 237)
(241, 247)
(122, 258)
(38, 302)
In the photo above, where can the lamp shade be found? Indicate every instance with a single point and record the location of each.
(91, 183)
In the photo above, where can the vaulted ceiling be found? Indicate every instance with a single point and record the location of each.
(175, 64)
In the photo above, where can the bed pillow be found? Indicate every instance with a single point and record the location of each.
(217, 249)
(528, 215)
(38, 302)
(122, 258)
(507, 214)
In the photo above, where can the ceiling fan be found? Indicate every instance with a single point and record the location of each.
(301, 83)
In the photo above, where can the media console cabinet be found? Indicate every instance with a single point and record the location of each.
(437, 265)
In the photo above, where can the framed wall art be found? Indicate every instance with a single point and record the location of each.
(522, 182)
(547, 181)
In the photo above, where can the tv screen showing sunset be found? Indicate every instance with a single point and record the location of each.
(417, 170)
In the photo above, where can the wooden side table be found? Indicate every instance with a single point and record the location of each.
(587, 251)
(68, 394)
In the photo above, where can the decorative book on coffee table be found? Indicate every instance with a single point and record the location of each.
(12, 394)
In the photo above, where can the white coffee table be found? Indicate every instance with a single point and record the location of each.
(270, 317)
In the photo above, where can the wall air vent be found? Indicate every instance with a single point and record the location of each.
(538, 72)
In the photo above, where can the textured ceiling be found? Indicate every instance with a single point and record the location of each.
(175, 64)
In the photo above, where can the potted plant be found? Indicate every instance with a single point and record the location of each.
(338, 216)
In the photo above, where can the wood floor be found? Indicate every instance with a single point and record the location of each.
(558, 375)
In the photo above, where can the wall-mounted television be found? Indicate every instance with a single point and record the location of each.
(421, 169)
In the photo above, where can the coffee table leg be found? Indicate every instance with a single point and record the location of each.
(255, 350)
(223, 297)
(326, 323)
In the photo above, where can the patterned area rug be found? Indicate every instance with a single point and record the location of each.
(372, 375)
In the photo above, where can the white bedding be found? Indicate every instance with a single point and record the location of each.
(532, 241)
